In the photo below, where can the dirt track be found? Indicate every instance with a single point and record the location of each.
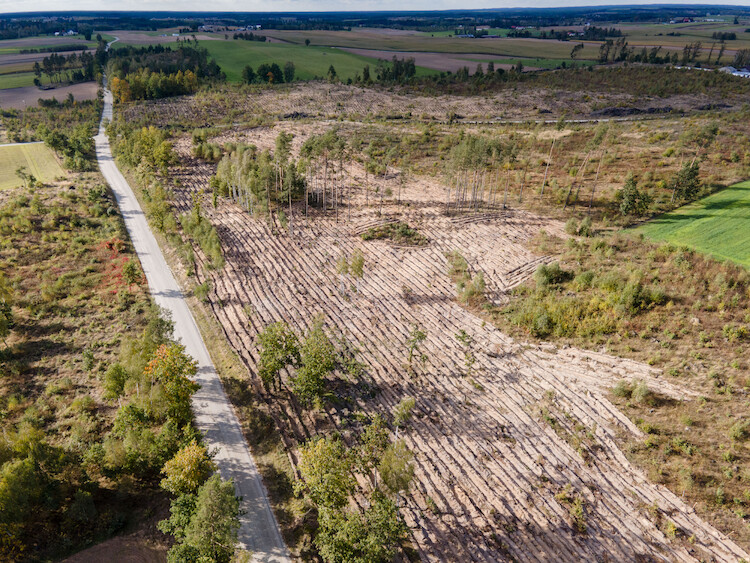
(491, 467)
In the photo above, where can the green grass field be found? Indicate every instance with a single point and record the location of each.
(19, 79)
(37, 158)
(309, 62)
(539, 63)
(525, 48)
(718, 225)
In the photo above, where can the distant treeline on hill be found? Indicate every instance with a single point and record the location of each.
(590, 33)
(250, 36)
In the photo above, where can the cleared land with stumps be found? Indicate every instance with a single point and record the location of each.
(716, 225)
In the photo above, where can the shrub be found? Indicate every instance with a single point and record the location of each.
(585, 229)
(114, 381)
(642, 394)
(571, 226)
(622, 389)
(740, 430)
(400, 233)
(551, 274)
(187, 470)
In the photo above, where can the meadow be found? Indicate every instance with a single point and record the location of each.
(37, 158)
(508, 47)
(716, 225)
(19, 80)
(309, 62)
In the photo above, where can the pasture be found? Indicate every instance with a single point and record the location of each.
(309, 62)
(716, 225)
(39, 161)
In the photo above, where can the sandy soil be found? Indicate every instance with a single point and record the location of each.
(438, 61)
(490, 468)
(20, 98)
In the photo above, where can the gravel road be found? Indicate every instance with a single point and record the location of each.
(259, 530)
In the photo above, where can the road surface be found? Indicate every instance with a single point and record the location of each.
(259, 531)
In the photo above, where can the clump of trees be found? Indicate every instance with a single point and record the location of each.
(257, 180)
(327, 480)
(311, 361)
(157, 71)
(269, 73)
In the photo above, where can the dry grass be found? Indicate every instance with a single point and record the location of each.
(699, 337)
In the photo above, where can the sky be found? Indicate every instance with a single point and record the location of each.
(7, 6)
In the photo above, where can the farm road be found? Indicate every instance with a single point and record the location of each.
(259, 531)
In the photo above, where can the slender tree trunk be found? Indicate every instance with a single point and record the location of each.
(546, 168)
(523, 181)
(507, 185)
(596, 180)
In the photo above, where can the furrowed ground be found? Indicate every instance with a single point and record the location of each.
(520, 446)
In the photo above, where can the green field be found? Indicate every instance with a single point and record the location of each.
(37, 158)
(718, 225)
(19, 79)
(309, 62)
(505, 47)
(538, 63)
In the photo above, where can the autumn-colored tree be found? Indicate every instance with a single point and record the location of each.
(120, 90)
(187, 470)
(171, 367)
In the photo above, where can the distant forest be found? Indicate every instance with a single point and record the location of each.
(28, 24)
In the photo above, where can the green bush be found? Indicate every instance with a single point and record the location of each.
(551, 274)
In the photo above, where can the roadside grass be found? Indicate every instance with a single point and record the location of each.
(37, 158)
(718, 225)
(309, 62)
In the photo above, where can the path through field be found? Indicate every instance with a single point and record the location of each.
(516, 460)
(259, 530)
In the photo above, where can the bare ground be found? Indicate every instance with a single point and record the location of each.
(491, 467)
(20, 98)
(437, 61)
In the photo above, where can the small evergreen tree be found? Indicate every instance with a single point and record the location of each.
(632, 200)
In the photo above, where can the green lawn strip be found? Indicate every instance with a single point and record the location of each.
(718, 225)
